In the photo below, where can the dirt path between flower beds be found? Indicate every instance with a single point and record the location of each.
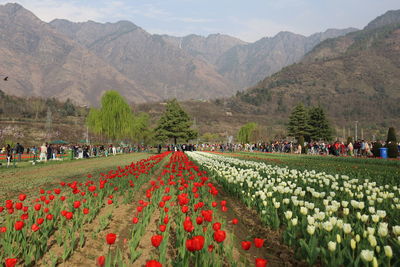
(251, 226)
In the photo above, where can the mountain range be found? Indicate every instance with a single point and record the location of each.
(79, 61)
(354, 77)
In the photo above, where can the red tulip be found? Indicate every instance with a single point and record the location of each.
(207, 214)
(235, 221)
(216, 226)
(77, 204)
(199, 220)
(85, 211)
(224, 209)
(261, 262)
(19, 225)
(18, 205)
(69, 215)
(92, 188)
(35, 227)
(153, 263)
(185, 209)
(188, 226)
(156, 240)
(135, 220)
(195, 244)
(49, 217)
(210, 248)
(110, 238)
(166, 220)
(37, 207)
(11, 262)
(22, 197)
(219, 236)
(223, 203)
(258, 242)
(3, 229)
(109, 201)
(101, 261)
(246, 245)
(163, 227)
(39, 221)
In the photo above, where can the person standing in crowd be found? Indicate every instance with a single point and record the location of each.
(159, 148)
(43, 152)
(19, 149)
(8, 154)
(49, 151)
(350, 149)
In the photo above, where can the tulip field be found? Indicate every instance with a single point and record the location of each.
(204, 209)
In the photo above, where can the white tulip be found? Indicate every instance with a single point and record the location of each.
(332, 246)
(367, 255)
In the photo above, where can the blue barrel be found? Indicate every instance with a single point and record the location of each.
(383, 152)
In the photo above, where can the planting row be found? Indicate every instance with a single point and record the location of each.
(332, 219)
(189, 229)
(29, 224)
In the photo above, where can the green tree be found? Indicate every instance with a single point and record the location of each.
(319, 128)
(246, 131)
(298, 122)
(68, 108)
(175, 124)
(391, 136)
(141, 131)
(210, 137)
(391, 143)
(114, 119)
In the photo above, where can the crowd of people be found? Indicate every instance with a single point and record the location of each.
(360, 148)
(46, 152)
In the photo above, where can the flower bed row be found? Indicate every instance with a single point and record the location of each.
(335, 220)
(189, 229)
(28, 223)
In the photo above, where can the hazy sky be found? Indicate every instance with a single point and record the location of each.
(248, 20)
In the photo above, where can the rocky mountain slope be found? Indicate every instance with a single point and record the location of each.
(42, 62)
(162, 68)
(354, 77)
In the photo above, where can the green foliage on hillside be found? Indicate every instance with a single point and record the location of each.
(13, 107)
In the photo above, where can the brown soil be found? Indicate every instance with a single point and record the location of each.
(249, 227)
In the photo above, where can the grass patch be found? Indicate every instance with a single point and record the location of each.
(30, 178)
(380, 170)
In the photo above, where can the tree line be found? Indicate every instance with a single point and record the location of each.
(115, 121)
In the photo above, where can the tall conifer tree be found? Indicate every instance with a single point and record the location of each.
(175, 124)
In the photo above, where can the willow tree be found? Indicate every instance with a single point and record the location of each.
(246, 132)
(114, 119)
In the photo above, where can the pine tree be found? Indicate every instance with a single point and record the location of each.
(175, 124)
(391, 143)
(298, 122)
(318, 125)
(391, 137)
